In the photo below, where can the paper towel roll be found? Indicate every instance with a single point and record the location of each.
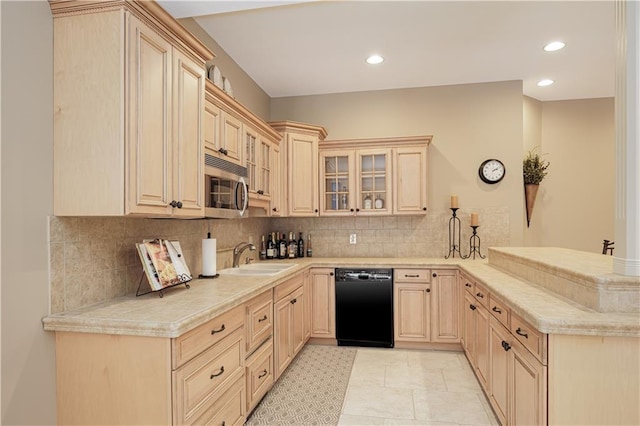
(209, 257)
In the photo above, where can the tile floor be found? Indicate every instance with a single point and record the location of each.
(411, 387)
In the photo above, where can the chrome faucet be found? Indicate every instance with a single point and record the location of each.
(237, 251)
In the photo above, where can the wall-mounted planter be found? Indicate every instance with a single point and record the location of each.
(530, 193)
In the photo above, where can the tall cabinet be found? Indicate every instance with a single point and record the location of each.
(128, 122)
(299, 161)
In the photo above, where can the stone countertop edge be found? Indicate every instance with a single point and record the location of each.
(549, 259)
(151, 316)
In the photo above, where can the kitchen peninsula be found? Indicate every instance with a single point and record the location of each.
(578, 344)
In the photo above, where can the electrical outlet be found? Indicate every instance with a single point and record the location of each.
(352, 239)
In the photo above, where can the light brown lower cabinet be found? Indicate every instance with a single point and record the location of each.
(323, 303)
(426, 306)
(518, 380)
(289, 312)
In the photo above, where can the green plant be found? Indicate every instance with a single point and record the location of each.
(534, 168)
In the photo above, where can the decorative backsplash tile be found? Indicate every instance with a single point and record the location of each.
(94, 259)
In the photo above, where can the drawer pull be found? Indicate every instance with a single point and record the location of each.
(505, 346)
(264, 318)
(467, 285)
(218, 373)
(472, 307)
(294, 301)
(496, 309)
(221, 329)
(264, 373)
(480, 295)
(412, 275)
(519, 331)
(223, 423)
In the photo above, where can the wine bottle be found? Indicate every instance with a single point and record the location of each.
(300, 246)
(270, 247)
(309, 251)
(282, 244)
(293, 246)
(263, 249)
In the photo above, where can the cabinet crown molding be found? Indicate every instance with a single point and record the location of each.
(376, 142)
(150, 11)
(294, 126)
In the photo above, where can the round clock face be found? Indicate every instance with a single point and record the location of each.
(491, 171)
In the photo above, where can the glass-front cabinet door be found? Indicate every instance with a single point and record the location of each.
(338, 183)
(374, 181)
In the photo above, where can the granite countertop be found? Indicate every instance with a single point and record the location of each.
(181, 309)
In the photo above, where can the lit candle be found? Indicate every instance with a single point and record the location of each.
(454, 201)
(474, 219)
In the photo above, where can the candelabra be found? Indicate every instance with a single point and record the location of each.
(454, 230)
(474, 244)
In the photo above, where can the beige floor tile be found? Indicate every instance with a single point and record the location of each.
(407, 422)
(415, 377)
(348, 420)
(378, 356)
(372, 401)
(462, 380)
(367, 374)
(457, 407)
(436, 359)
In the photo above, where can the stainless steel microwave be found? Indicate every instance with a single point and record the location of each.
(226, 191)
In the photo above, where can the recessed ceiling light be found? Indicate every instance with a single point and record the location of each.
(374, 59)
(553, 46)
(545, 82)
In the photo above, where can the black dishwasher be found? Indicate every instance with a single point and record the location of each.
(364, 307)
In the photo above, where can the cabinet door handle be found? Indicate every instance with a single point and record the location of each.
(496, 309)
(294, 301)
(472, 307)
(521, 333)
(351, 210)
(264, 373)
(467, 285)
(434, 275)
(221, 329)
(275, 209)
(260, 191)
(506, 346)
(428, 290)
(175, 204)
(223, 423)
(480, 295)
(357, 209)
(315, 211)
(219, 373)
(330, 274)
(264, 318)
(412, 276)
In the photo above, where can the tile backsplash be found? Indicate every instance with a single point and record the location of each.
(94, 259)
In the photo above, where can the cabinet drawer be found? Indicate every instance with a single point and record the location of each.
(228, 410)
(412, 275)
(200, 338)
(259, 321)
(500, 311)
(198, 383)
(481, 294)
(531, 338)
(259, 374)
(287, 287)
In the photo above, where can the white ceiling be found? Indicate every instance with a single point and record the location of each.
(320, 47)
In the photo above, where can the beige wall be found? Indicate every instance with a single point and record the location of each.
(28, 371)
(245, 90)
(532, 140)
(577, 203)
(469, 123)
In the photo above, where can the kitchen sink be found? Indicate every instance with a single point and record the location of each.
(258, 269)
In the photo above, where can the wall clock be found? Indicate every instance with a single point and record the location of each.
(491, 171)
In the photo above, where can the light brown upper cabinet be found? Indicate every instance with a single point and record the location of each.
(373, 176)
(235, 134)
(299, 160)
(128, 109)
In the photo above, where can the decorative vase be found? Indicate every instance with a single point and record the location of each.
(530, 193)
